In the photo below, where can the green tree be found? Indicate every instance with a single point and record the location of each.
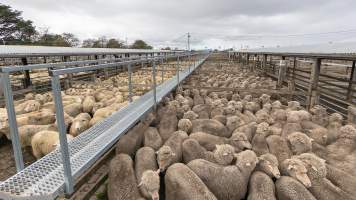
(114, 43)
(100, 42)
(13, 28)
(70, 39)
(166, 48)
(63, 40)
(88, 43)
(140, 44)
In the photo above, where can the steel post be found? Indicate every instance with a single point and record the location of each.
(129, 69)
(154, 84)
(162, 72)
(11, 114)
(177, 67)
(68, 178)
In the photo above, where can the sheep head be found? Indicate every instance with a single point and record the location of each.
(299, 143)
(240, 141)
(224, 154)
(295, 168)
(150, 181)
(246, 161)
(269, 164)
(316, 166)
(165, 157)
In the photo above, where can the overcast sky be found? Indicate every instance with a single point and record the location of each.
(212, 23)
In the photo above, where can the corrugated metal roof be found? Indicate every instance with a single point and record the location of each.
(20, 50)
(328, 48)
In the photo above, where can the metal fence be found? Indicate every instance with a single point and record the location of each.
(54, 173)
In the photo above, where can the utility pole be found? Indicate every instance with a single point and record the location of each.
(188, 41)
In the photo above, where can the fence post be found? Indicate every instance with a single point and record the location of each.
(352, 79)
(351, 115)
(11, 115)
(68, 79)
(177, 68)
(264, 63)
(162, 70)
(27, 77)
(129, 69)
(313, 96)
(154, 83)
(282, 71)
(68, 178)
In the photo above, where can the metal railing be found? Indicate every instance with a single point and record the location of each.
(54, 173)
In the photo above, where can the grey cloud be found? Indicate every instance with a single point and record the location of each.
(213, 23)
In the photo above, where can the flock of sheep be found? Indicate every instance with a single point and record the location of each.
(228, 145)
(85, 104)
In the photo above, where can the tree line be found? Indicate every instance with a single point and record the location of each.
(15, 30)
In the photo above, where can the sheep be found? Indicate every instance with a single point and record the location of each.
(192, 150)
(210, 126)
(238, 140)
(181, 183)
(319, 135)
(299, 143)
(320, 115)
(268, 164)
(321, 187)
(221, 118)
(73, 109)
(122, 183)
(27, 106)
(88, 104)
(145, 160)
(185, 125)
(152, 138)
(234, 177)
(224, 154)
(80, 123)
(341, 179)
(288, 188)
(232, 123)
(279, 147)
(68, 120)
(292, 125)
(171, 151)
(259, 143)
(293, 106)
(261, 187)
(295, 168)
(248, 129)
(344, 145)
(335, 123)
(265, 98)
(132, 141)
(44, 142)
(26, 132)
(191, 115)
(169, 122)
(151, 182)
(202, 110)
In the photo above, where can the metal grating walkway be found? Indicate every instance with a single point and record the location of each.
(44, 179)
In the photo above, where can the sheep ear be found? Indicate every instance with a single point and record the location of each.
(314, 168)
(225, 154)
(156, 152)
(158, 171)
(248, 164)
(173, 154)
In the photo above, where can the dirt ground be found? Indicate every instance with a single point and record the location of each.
(7, 160)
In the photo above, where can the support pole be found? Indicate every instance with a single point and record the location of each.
(14, 133)
(162, 71)
(154, 84)
(129, 69)
(68, 178)
(351, 115)
(27, 77)
(282, 72)
(264, 64)
(177, 68)
(351, 81)
(313, 96)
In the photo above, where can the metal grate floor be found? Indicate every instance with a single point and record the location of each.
(44, 179)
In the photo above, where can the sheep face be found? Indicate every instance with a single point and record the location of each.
(299, 143)
(240, 141)
(151, 182)
(296, 169)
(276, 105)
(32, 105)
(246, 160)
(224, 154)
(269, 163)
(185, 125)
(165, 157)
(229, 110)
(335, 117)
(293, 105)
(265, 98)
